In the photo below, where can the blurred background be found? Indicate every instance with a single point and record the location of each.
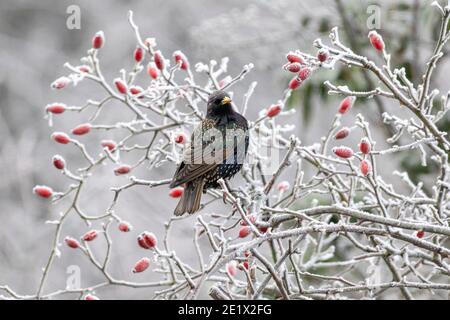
(35, 43)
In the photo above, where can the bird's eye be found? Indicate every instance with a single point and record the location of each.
(217, 101)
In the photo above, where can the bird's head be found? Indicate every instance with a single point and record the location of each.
(219, 103)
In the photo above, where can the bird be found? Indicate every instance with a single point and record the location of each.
(216, 150)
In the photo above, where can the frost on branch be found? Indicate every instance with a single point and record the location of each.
(334, 229)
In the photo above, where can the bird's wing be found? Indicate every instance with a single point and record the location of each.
(208, 148)
(195, 163)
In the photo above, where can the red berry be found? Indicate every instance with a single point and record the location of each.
(231, 268)
(180, 138)
(245, 265)
(82, 129)
(251, 218)
(110, 144)
(60, 83)
(263, 229)
(247, 253)
(122, 169)
(90, 297)
(293, 67)
(136, 90)
(120, 85)
(99, 40)
(376, 40)
(152, 70)
(176, 192)
(72, 243)
(147, 240)
(364, 166)
(343, 152)
(346, 104)
(283, 186)
(181, 59)
(90, 235)
(342, 133)
(420, 234)
(159, 60)
(125, 226)
(273, 110)
(59, 162)
(141, 265)
(244, 231)
(365, 146)
(292, 57)
(56, 108)
(61, 137)
(139, 54)
(84, 69)
(304, 73)
(295, 83)
(323, 55)
(43, 191)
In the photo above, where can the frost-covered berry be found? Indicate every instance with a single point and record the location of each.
(98, 40)
(181, 59)
(84, 69)
(323, 55)
(342, 133)
(293, 67)
(139, 54)
(346, 104)
(295, 83)
(122, 169)
(365, 146)
(376, 40)
(90, 235)
(152, 70)
(90, 297)
(244, 231)
(251, 217)
(136, 90)
(43, 191)
(125, 226)
(225, 81)
(60, 83)
(283, 186)
(141, 265)
(180, 138)
(147, 240)
(58, 162)
(110, 144)
(159, 60)
(231, 268)
(120, 85)
(82, 129)
(343, 152)
(176, 192)
(263, 229)
(304, 73)
(60, 137)
(72, 243)
(273, 110)
(244, 265)
(364, 167)
(292, 57)
(56, 108)
(420, 234)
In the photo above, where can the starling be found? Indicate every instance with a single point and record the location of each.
(217, 149)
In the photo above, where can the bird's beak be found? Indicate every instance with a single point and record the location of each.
(226, 100)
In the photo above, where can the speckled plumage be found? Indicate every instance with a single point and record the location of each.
(207, 159)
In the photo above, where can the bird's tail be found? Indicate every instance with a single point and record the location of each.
(190, 200)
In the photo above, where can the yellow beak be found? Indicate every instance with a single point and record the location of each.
(226, 100)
